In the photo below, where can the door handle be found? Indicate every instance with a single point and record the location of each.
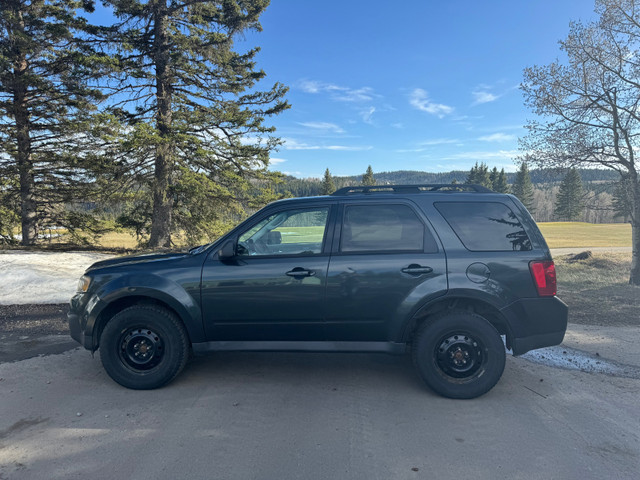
(415, 269)
(301, 272)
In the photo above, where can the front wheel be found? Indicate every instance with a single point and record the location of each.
(144, 347)
(459, 354)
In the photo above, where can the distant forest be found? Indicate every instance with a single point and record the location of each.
(593, 179)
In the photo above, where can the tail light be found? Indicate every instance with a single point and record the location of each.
(544, 276)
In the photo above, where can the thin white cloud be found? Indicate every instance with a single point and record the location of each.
(338, 92)
(364, 94)
(439, 141)
(291, 144)
(482, 96)
(276, 161)
(367, 115)
(497, 137)
(497, 155)
(324, 126)
(348, 149)
(484, 93)
(420, 99)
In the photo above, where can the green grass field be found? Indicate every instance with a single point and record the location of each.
(301, 234)
(557, 234)
(578, 234)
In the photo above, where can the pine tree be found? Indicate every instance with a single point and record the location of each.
(195, 119)
(493, 176)
(367, 178)
(523, 188)
(44, 104)
(328, 186)
(479, 175)
(570, 199)
(499, 183)
(623, 198)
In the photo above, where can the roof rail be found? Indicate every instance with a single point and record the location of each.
(428, 188)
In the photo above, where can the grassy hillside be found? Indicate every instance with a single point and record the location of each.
(578, 234)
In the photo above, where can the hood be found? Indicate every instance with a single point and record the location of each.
(136, 259)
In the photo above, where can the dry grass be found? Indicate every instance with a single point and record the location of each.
(578, 234)
(597, 289)
(557, 234)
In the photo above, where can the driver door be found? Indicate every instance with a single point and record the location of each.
(273, 288)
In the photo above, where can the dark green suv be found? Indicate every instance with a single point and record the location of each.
(442, 271)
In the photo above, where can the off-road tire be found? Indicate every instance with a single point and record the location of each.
(144, 347)
(458, 354)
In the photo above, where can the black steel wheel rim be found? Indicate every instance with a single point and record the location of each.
(141, 349)
(459, 355)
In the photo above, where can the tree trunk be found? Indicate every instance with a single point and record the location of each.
(634, 277)
(162, 201)
(23, 138)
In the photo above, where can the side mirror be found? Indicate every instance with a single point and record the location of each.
(228, 250)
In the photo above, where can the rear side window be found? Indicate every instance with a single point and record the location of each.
(485, 226)
(368, 228)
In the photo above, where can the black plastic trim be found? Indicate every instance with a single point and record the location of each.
(299, 346)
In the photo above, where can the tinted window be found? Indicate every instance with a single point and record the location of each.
(380, 228)
(485, 226)
(292, 232)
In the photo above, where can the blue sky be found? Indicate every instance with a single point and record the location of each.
(411, 85)
(428, 85)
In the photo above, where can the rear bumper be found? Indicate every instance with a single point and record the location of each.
(536, 323)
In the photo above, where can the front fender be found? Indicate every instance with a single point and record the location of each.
(145, 285)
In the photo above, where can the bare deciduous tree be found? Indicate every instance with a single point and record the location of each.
(589, 104)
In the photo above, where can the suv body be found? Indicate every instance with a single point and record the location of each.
(433, 269)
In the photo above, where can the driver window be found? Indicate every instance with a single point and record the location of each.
(292, 232)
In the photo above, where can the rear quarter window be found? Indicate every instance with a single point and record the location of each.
(485, 226)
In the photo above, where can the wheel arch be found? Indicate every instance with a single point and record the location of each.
(460, 301)
(118, 304)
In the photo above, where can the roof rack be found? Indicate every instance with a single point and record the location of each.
(428, 188)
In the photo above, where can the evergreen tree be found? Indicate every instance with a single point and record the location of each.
(523, 188)
(44, 106)
(493, 176)
(195, 130)
(623, 198)
(328, 186)
(570, 200)
(499, 183)
(479, 175)
(367, 178)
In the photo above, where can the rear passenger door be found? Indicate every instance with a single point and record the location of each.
(385, 262)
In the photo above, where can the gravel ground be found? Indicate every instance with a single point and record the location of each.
(28, 331)
(34, 320)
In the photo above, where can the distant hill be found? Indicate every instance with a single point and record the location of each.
(304, 187)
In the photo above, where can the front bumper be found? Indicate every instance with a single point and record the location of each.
(78, 321)
(536, 323)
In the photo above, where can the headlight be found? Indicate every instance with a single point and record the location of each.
(83, 283)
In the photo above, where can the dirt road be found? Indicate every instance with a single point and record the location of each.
(312, 416)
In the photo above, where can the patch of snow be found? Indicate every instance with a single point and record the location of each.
(572, 359)
(42, 277)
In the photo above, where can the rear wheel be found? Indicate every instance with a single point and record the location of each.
(144, 347)
(459, 354)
